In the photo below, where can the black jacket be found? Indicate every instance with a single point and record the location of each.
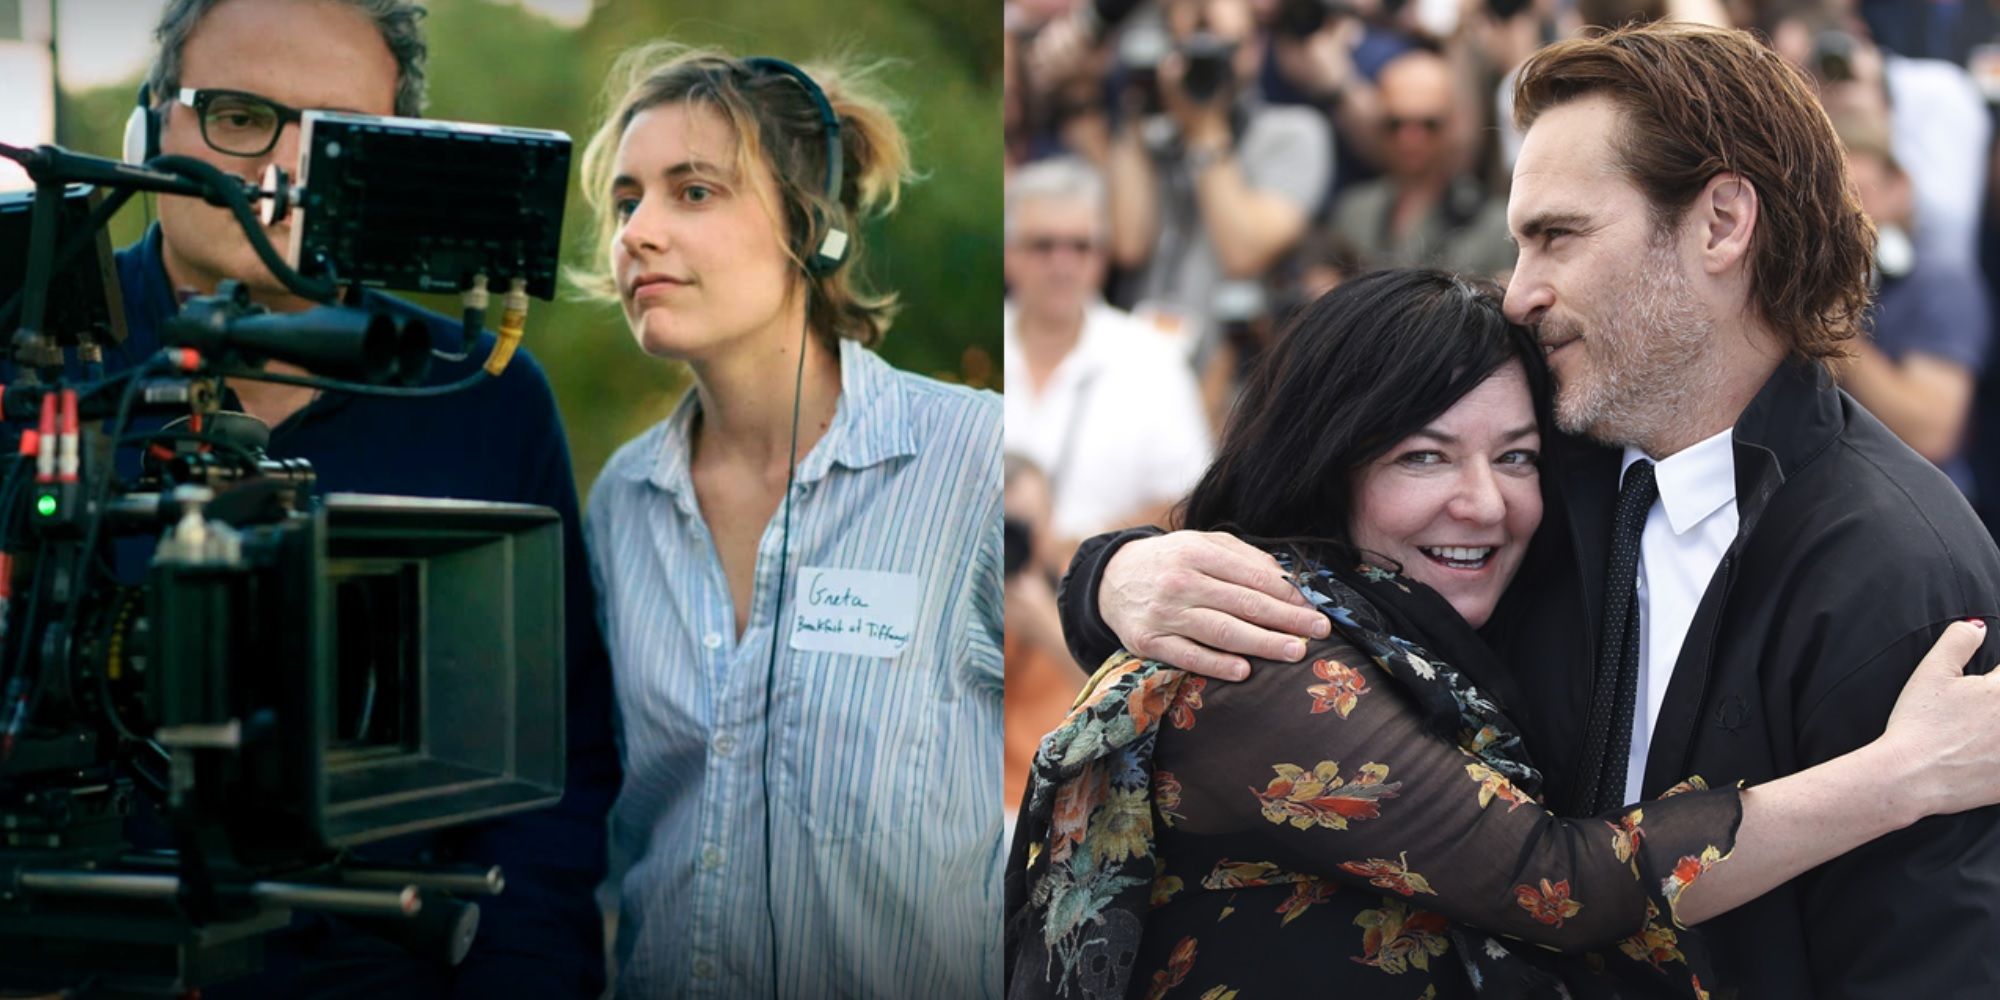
(1852, 554)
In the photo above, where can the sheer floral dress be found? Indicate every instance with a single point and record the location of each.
(1361, 824)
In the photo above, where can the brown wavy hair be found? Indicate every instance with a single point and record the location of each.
(777, 125)
(1699, 102)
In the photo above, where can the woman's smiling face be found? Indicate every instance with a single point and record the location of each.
(1457, 502)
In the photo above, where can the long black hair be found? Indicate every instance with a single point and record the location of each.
(1360, 369)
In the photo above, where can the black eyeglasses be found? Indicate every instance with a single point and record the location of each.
(1046, 245)
(238, 123)
(1394, 124)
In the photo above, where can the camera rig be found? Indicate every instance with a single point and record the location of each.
(187, 757)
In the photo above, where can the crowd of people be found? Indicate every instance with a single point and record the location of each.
(1224, 162)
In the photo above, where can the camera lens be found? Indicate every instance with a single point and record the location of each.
(1209, 73)
(1833, 56)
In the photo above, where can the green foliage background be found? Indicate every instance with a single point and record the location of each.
(499, 63)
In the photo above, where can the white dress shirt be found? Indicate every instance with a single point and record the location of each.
(1119, 428)
(1687, 531)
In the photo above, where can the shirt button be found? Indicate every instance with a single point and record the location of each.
(711, 858)
(712, 640)
(725, 743)
(704, 968)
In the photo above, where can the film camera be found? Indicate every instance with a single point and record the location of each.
(293, 675)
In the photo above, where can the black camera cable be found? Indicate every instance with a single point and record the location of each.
(15, 708)
(225, 190)
(234, 450)
(231, 190)
(18, 703)
(357, 388)
(100, 492)
(10, 502)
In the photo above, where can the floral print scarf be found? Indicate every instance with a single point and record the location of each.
(1081, 869)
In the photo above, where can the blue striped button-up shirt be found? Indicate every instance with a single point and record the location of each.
(882, 774)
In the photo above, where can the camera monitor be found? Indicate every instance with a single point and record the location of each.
(422, 206)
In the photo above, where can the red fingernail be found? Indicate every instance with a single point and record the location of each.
(1976, 622)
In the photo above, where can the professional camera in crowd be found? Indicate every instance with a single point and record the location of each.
(284, 675)
(1832, 56)
(1208, 76)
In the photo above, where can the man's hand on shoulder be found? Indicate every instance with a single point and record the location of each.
(1203, 601)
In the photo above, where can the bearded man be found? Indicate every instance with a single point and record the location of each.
(1692, 257)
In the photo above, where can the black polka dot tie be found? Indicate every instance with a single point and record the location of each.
(1614, 694)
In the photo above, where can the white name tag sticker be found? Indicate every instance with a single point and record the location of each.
(856, 611)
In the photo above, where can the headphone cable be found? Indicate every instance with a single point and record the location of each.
(777, 629)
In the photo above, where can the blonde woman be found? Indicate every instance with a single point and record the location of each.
(800, 568)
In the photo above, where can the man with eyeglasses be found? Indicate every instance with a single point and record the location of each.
(227, 86)
(1104, 405)
(1426, 210)
(237, 122)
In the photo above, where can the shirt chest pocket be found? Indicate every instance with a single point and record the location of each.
(858, 734)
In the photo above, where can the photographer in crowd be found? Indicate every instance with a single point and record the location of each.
(226, 87)
(1427, 209)
(1324, 54)
(1930, 323)
(1216, 184)
(1939, 127)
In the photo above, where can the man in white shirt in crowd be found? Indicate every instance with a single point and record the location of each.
(1105, 405)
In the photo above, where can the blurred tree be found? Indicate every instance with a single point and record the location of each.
(499, 62)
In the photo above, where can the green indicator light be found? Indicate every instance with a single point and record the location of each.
(45, 505)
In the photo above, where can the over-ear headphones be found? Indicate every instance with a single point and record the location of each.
(142, 130)
(824, 259)
(832, 249)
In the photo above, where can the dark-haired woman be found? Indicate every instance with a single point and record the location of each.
(1366, 823)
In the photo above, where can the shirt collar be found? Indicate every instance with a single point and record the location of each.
(1694, 482)
(152, 296)
(870, 425)
(1094, 349)
(871, 422)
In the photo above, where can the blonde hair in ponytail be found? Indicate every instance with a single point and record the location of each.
(776, 125)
